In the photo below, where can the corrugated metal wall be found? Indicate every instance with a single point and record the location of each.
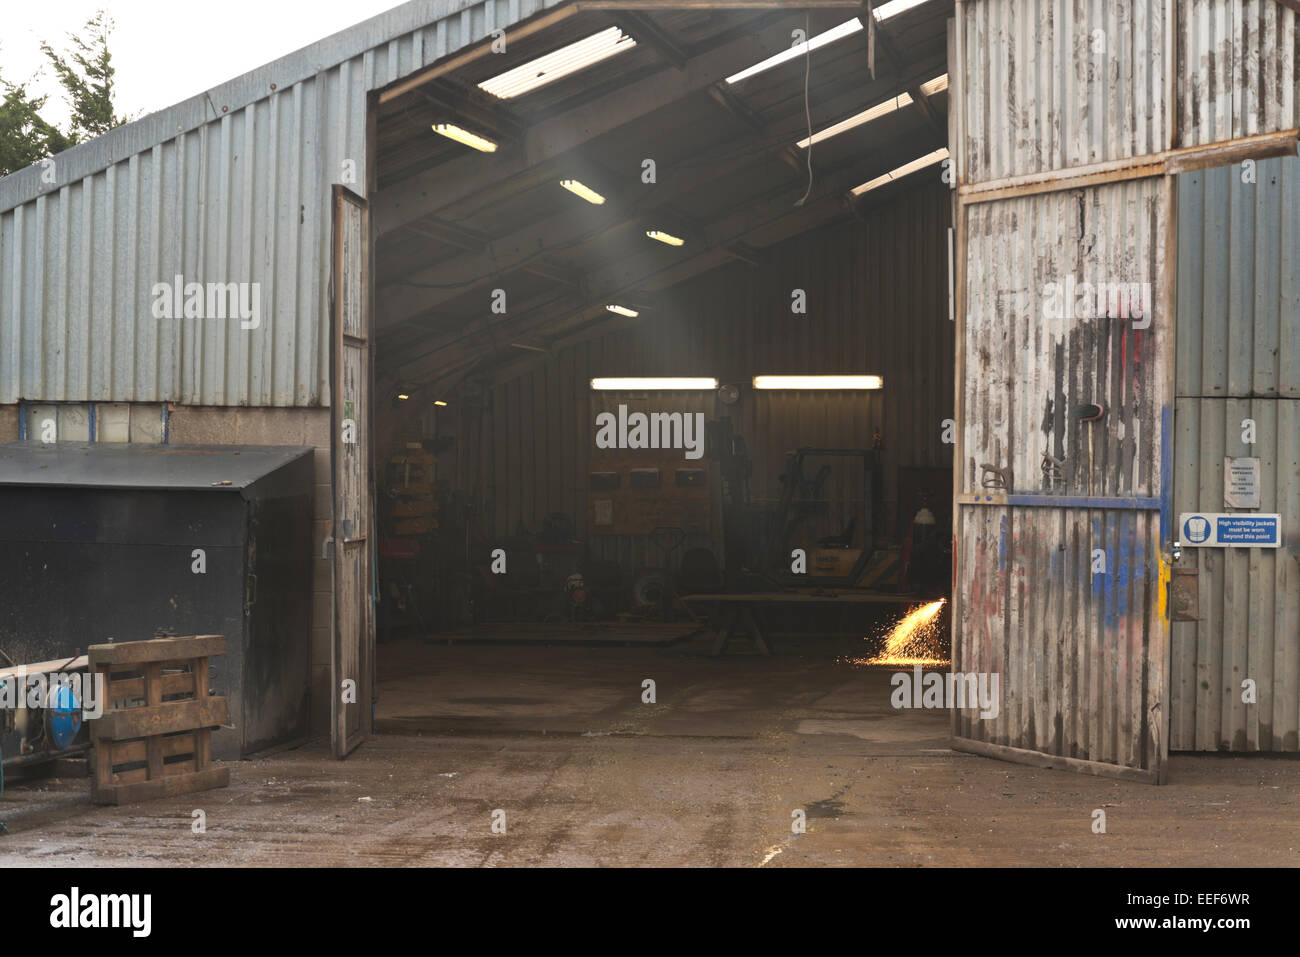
(1237, 69)
(1064, 85)
(230, 186)
(1071, 639)
(1044, 86)
(877, 303)
(1059, 575)
(1238, 359)
(1055, 85)
(1031, 360)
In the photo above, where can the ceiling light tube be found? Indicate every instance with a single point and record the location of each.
(559, 63)
(818, 382)
(465, 137)
(667, 238)
(891, 105)
(654, 385)
(623, 311)
(846, 29)
(929, 159)
(583, 192)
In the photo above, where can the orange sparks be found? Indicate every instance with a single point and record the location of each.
(915, 640)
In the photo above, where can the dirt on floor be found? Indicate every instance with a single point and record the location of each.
(555, 746)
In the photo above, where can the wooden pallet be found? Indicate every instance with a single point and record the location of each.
(154, 738)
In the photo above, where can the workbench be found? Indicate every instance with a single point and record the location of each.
(733, 614)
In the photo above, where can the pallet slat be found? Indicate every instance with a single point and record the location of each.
(129, 688)
(165, 718)
(156, 649)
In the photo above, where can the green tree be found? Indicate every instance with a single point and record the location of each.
(85, 71)
(25, 137)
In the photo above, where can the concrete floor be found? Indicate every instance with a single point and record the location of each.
(587, 774)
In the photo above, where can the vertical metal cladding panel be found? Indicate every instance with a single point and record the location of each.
(1051, 84)
(1072, 642)
(1072, 648)
(1032, 356)
(1237, 69)
(1239, 281)
(1247, 600)
(1239, 358)
(229, 186)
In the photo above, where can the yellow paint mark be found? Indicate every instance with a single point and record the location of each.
(1163, 597)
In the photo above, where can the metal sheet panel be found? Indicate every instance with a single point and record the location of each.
(1051, 85)
(1059, 575)
(1239, 281)
(1237, 69)
(1238, 394)
(1054, 85)
(203, 468)
(1247, 611)
(1072, 645)
(1033, 352)
(229, 186)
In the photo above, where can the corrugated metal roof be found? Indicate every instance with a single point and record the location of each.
(141, 466)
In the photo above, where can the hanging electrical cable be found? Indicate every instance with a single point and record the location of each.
(807, 108)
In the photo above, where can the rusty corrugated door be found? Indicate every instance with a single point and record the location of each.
(1061, 518)
(353, 640)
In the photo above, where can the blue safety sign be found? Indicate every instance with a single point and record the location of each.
(1239, 529)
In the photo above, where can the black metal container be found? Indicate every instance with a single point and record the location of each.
(120, 542)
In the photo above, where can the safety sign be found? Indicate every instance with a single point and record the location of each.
(1218, 530)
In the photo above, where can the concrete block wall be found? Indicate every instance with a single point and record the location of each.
(8, 423)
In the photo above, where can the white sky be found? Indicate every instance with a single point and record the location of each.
(166, 52)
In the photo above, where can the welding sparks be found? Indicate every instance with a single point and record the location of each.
(916, 640)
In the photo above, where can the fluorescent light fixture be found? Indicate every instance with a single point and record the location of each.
(818, 382)
(653, 385)
(894, 7)
(465, 137)
(623, 311)
(439, 402)
(562, 62)
(929, 159)
(937, 85)
(584, 192)
(660, 236)
(403, 396)
(846, 29)
(891, 105)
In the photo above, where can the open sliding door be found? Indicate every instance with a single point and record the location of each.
(352, 657)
